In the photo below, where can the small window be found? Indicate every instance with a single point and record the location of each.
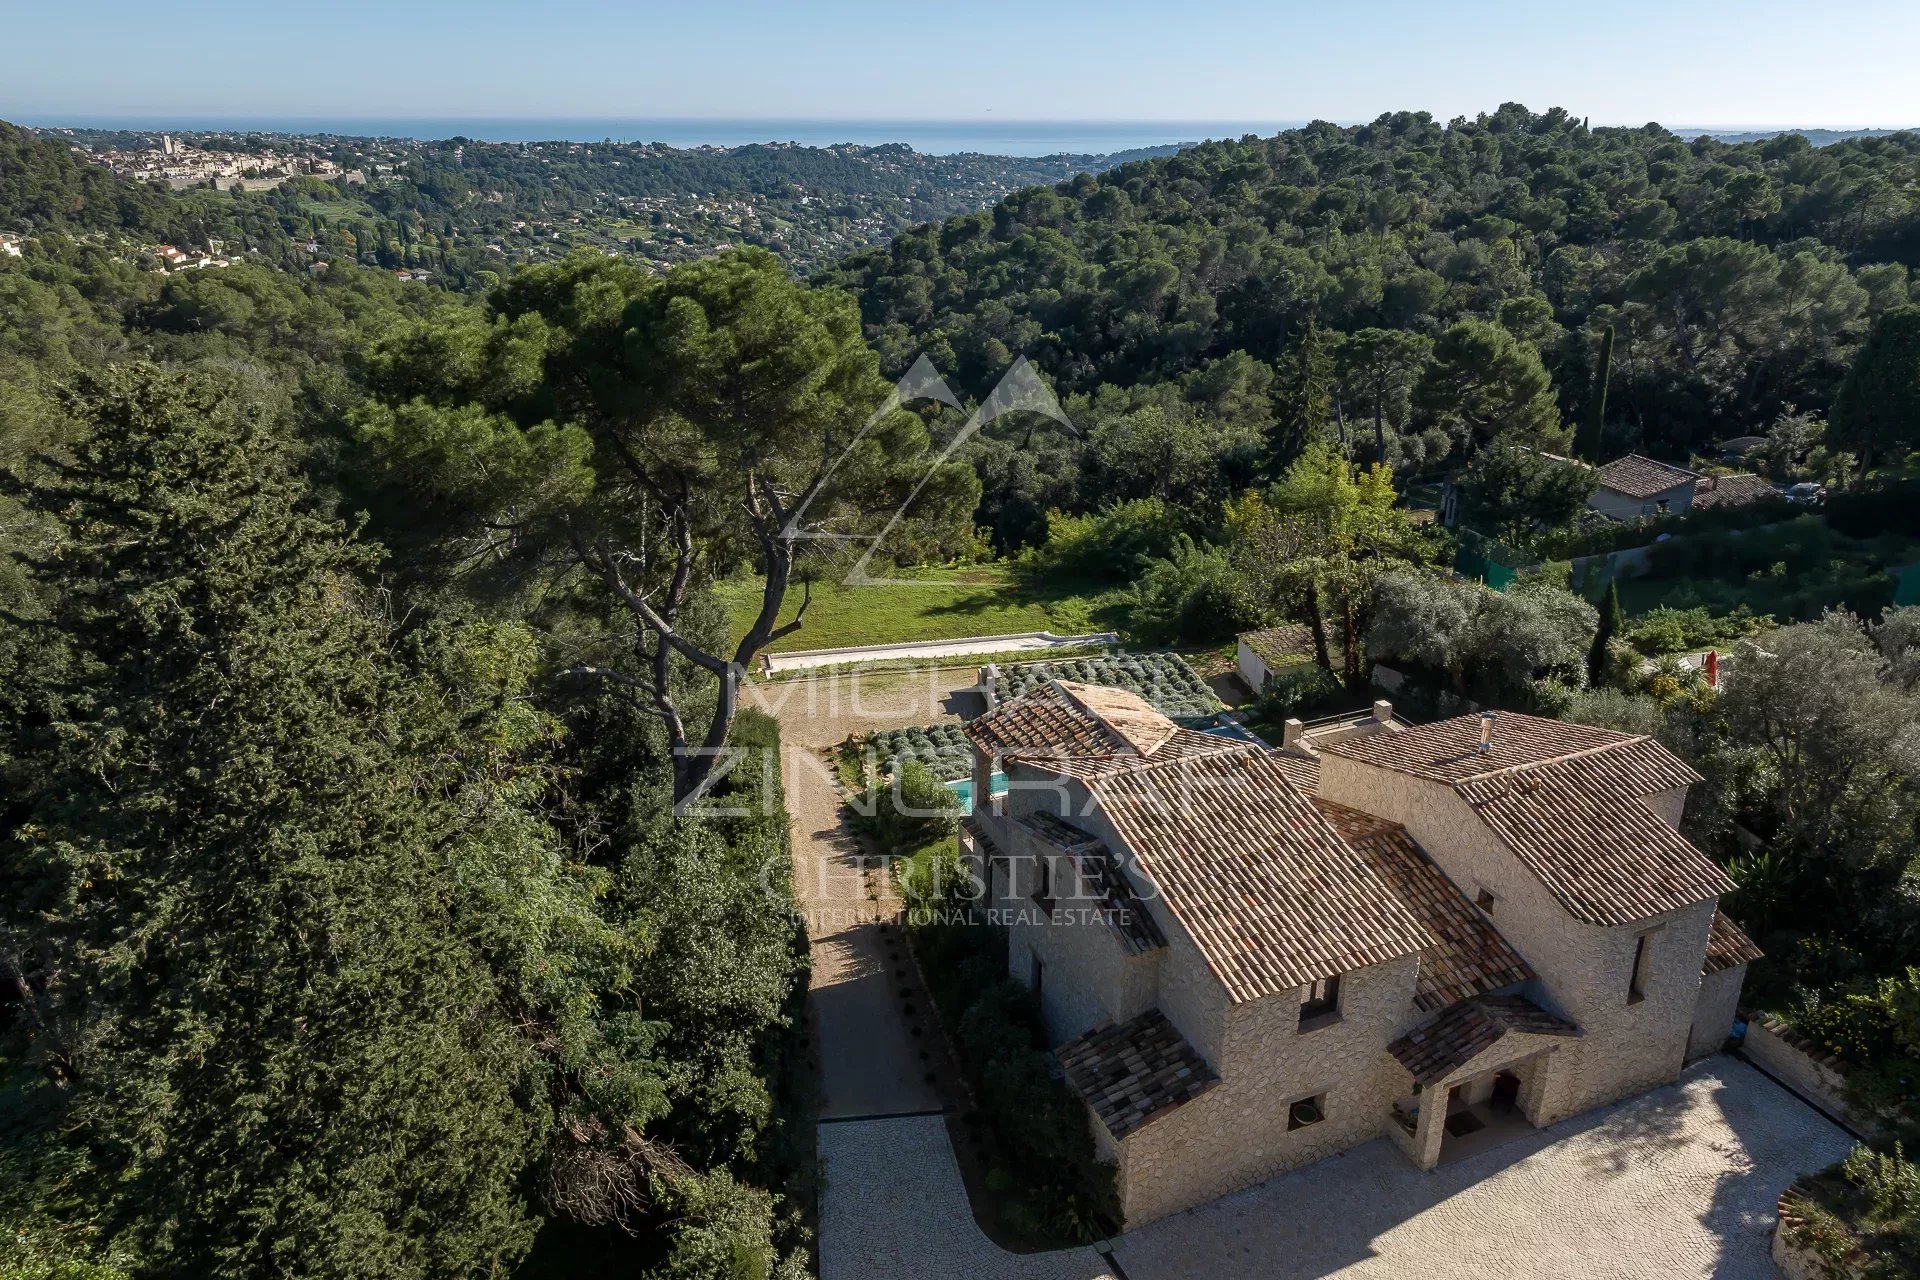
(1322, 1001)
(1039, 974)
(1637, 983)
(1043, 882)
(1307, 1112)
(1485, 900)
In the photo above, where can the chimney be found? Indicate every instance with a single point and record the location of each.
(1292, 732)
(1486, 732)
(1382, 711)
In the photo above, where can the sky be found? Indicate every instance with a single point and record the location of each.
(1724, 63)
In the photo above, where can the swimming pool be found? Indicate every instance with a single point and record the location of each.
(963, 787)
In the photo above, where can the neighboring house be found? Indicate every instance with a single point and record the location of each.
(1736, 490)
(1250, 959)
(1633, 487)
(1260, 653)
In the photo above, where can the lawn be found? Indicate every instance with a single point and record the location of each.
(940, 604)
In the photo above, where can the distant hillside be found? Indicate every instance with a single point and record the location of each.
(1818, 137)
(468, 211)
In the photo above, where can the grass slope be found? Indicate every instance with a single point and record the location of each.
(940, 604)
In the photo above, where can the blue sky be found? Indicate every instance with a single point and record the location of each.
(1682, 62)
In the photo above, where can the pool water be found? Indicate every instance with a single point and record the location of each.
(963, 787)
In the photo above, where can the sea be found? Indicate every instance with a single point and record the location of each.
(985, 136)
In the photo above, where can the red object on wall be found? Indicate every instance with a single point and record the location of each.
(1713, 668)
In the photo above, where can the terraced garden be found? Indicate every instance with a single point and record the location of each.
(1163, 679)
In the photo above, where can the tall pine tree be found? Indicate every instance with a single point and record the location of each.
(228, 905)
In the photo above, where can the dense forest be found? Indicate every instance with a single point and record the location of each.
(365, 684)
(1409, 288)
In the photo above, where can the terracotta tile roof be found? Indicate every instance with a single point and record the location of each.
(1118, 907)
(1642, 477)
(1278, 646)
(1064, 720)
(1465, 1031)
(1135, 1072)
(1302, 771)
(1184, 744)
(1469, 958)
(1728, 945)
(1732, 491)
(1569, 800)
(1126, 715)
(1582, 826)
(1042, 721)
(1448, 750)
(1270, 893)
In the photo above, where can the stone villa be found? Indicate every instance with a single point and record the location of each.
(1250, 959)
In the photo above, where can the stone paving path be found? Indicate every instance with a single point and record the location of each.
(869, 1065)
(1678, 1184)
(893, 1207)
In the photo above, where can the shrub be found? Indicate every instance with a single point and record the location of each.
(909, 809)
(1107, 545)
(1044, 1154)
(1302, 689)
(1193, 595)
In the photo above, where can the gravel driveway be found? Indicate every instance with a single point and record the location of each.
(1676, 1184)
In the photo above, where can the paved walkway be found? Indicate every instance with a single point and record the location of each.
(1678, 1184)
(869, 1065)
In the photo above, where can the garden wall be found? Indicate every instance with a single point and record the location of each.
(1816, 1075)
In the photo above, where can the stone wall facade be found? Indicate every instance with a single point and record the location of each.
(1584, 971)
(1237, 1134)
(1715, 1010)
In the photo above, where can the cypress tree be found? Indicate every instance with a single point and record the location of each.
(277, 1053)
(1612, 622)
(1595, 426)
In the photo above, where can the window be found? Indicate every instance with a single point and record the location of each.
(1321, 1003)
(1485, 900)
(1039, 973)
(1637, 983)
(1307, 1111)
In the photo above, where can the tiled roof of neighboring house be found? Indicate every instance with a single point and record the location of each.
(1465, 1031)
(1641, 477)
(1118, 907)
(1732, 491)
(1569, 800)
(1270, 893)
(1469, 957)
(1134, 1072)
(1277, 646)
(1728, 945)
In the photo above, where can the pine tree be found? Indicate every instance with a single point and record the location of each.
(277, 1051)
(1612, 623)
